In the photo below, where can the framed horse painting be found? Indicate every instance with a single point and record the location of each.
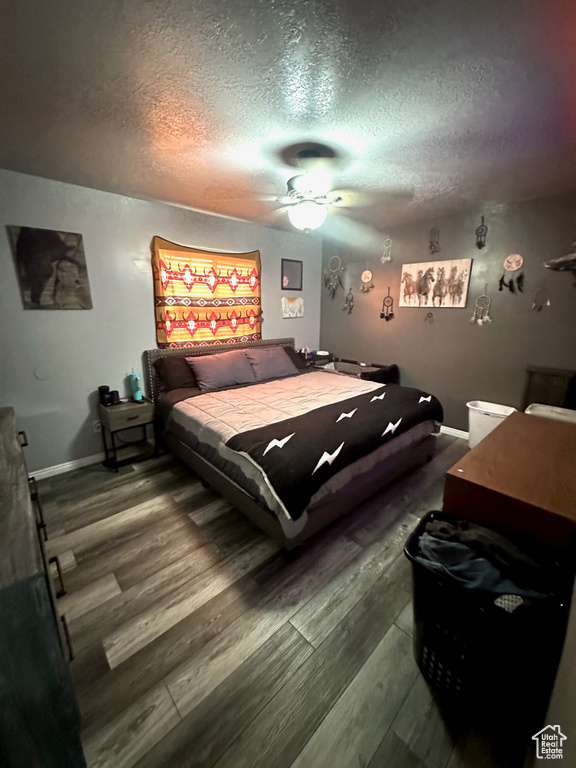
(435, 284)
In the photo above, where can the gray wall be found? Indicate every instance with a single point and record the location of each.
(53, 361)
(457, 361)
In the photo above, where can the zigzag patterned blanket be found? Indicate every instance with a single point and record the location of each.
(299, 454)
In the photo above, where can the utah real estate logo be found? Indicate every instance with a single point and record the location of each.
(549, 743)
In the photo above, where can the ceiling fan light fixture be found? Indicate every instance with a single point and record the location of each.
(313, 184)
(307, 215)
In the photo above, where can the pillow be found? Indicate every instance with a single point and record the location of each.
(223, 370)
(271, 363)
(387, 374)
(174, 373)
(297, 358)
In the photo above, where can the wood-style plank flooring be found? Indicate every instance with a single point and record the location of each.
(199, 643)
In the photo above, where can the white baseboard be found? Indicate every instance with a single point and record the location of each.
(68, 466)
(454, 432)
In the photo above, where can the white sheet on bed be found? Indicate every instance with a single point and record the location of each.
(230, 411)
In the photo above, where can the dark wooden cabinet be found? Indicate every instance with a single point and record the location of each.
(39, 717)
(550, 386)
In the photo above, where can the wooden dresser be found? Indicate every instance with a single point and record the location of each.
(39, 717)
(520, 479)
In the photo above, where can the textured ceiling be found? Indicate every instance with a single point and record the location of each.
(431, 106)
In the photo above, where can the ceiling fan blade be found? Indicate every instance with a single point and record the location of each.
(356, 198)
(276, 213)
(275, 216)
(268, 198)
(352, 198)
(248, 198)
(239, 202)
(351, 233)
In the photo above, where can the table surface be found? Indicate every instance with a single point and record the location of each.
(127, 406)
(528, 458)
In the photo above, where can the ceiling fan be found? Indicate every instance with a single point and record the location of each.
(310, 202)
(308, 198)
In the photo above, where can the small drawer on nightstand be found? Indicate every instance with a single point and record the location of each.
(125, 415)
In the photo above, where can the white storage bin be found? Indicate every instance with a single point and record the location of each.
(483, 418)
(552, 412)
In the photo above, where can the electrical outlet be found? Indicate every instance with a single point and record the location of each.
(97, 426)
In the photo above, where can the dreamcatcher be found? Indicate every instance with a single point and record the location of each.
(387, 307)
(482, 309)
(434, 243)
(481, 232)
(333, 275)
(386, 257)
(512, 265)
(541, 299)
(366, 283)
(349, 301)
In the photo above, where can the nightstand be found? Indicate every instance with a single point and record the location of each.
(122, 416)
(353, 369)
(319, 361)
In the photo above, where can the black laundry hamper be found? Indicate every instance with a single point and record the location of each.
(480, 652)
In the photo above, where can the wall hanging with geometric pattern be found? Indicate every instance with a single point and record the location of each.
(205, 297)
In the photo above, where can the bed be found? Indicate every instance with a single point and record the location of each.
(291, 446)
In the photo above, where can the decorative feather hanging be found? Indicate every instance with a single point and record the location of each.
(512, 265)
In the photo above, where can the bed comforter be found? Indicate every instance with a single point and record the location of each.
(239, 424)
(299, 455)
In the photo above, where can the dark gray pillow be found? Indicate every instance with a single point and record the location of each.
(297, 358)
(174, 372)
(387, 374)
(223, 370)
(271, 363)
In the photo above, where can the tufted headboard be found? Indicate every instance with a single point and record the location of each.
(151, 355)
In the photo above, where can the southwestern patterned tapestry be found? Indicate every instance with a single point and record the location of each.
(203, 297)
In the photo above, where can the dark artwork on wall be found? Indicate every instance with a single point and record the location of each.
(51, 268)
(291, 275)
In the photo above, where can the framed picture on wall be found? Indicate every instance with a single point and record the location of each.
(292, 306)
(51, 268)
(291, 275)
(435, 284)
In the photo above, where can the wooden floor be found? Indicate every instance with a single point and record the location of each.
(199, 643)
